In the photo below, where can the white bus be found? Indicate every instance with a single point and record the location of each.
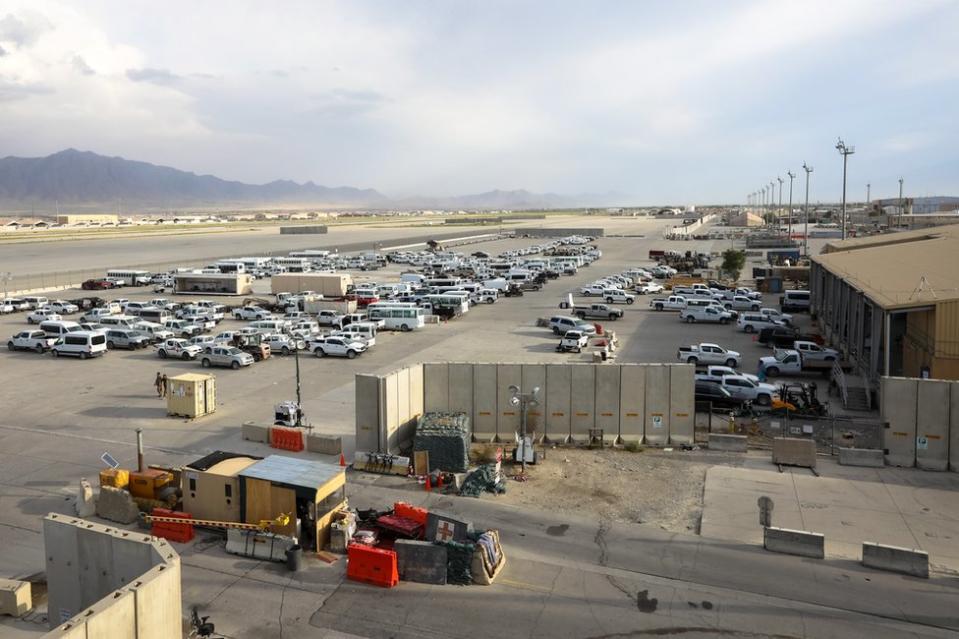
(310, 253)
(229, 266)
(448, 304)
(396, 317)
(293, 264)
(131, 278)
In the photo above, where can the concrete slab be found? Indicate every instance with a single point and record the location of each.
(899, 396)
(632, 408)
(484, 402)
(507, 415)
(608, 385)
(582, 401)
(794, 542)
(932, 424)
(861, 457)
(534, 375)
(908, 561)
(558, 378)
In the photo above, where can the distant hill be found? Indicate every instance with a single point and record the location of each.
(81, 178)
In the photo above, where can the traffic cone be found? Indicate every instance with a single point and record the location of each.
(427, 487)
(342, 460)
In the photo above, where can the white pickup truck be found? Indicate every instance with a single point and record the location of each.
(671, 303)
(705, 354)
(803, 356)
(713, 314)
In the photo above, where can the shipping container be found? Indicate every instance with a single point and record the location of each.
(326, 284)
(191, 395)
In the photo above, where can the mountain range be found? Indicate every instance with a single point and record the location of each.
(81, 179)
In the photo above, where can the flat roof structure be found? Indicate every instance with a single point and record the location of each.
(292, 471)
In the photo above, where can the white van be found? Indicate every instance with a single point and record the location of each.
(154, 314)
(82, 344)
(790, 301)
(34, 303)
(270, 326)
(119, 321)
(59, 328)
(362, 330)
(153, 331)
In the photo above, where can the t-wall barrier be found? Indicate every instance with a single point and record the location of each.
(639, 403)
(920, 419)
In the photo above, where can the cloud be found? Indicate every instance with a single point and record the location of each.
(81, 66)
(3, 52)
(156, 76)
(23, 29)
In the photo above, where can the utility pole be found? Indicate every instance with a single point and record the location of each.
(805, 237)
(772, 194)
(780, 213)
(845, 152)
(789, 213)
(901, 203)
(868, 194)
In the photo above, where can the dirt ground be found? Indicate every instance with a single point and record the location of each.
(651, 487)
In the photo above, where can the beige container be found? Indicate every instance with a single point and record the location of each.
(191, 395)
(15, 597)
(326, 284)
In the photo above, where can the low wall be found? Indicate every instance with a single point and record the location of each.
(105, 582)
(303, 230)
(920, 422)
(730, 443)
(794, 542)
(908, 561)
(794, 452)
(861, 457)
(561, 232)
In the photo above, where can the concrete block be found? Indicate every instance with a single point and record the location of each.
(682, 403)
(368, 428)
(131, 557)
(436, 387)
(85, 505)
(557, 402)
(908, 561)
(794, 542)
(95, 560)
(402, 399)
(16, 597)
(507, 415)
(898, 397)
(390, 412)
(657, 405)
(534, 375)
(484, 402)
(113, 616)
(582, 396)
(461, 388)
(954, 429)
(324, 444)
(608, 393)
(932, 424)
(730, 443)
(861, 457)
(64, 597)
(416, 390)
(632, 403)
(794, 452)
(259, 545)
(444, 527)
(421, 561)
(159, 602)
(116, 504)
(253, 432)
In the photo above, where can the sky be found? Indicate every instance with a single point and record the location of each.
(656, 102)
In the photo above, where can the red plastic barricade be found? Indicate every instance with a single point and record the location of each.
(181, 533)
(286, 438)
(402, 509)
(372, 566)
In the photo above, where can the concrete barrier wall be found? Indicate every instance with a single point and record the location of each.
(729, 443)
(562, 232)
(932, 424)
(629, 402)
(920, 422)
(861, 457)
(794, 542)
(105, 582)
(898, 414)
(303, 230)
(908, 561)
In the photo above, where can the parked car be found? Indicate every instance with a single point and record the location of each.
(671, 303)
(179, 348)
(6, 307)
(777, 315)
(573, 341)
(742, 387)
(597, 311)
(153, 331)
(755, 322)
(80, 344)
(205, 342)
(330, 318)
(618, 296)
(703, 354)
(63, 307)
(742, 303)
(592, 289)
(560, 324)
(125, 338)
(43, 315)
(251, 313)
(710, 314)
(283, 344)
(338, 346)
(95, 314)
(31, 340)
(794, 301)
(182, 328)
(717, 396)
(98, 285)
(649, 288)
(227, 356)
(17, 303)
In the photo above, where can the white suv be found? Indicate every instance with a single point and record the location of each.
(618, 296)
(755, 322)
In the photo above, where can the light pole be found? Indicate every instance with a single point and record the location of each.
(772, 194)
(805, 237)
(900, 203)
(6, 276)
(789, 213)
(845, 152)
(868, 193)
(524, 401)
(779, 215)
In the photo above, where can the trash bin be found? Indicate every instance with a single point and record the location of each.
(294, 558)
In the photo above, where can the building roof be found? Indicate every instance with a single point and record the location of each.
(223, 463)
(899, 270)
(292, 471)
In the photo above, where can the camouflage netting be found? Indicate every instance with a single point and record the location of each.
(482, 479)
(459, 562)
(446, 437)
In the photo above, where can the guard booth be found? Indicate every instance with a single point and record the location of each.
(211, 487)
(310, 491)
(191, 395)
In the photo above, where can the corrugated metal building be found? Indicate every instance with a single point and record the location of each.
(890, 302)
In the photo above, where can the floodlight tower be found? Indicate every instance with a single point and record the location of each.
(789, 213)
(525, 401)
(805, 238)
(779, 214)
(845, 152)
(900, 203)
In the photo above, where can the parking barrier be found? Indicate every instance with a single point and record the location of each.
(180, 533)
(372, 566)
(286, 438)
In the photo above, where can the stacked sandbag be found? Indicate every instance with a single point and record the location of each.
(459, 562)
(446, 437)
(483, 479)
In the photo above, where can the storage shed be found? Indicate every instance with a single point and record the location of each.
(310, 491)
(191, 395)
(211, 486)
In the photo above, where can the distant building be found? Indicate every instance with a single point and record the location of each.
(87, 218)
